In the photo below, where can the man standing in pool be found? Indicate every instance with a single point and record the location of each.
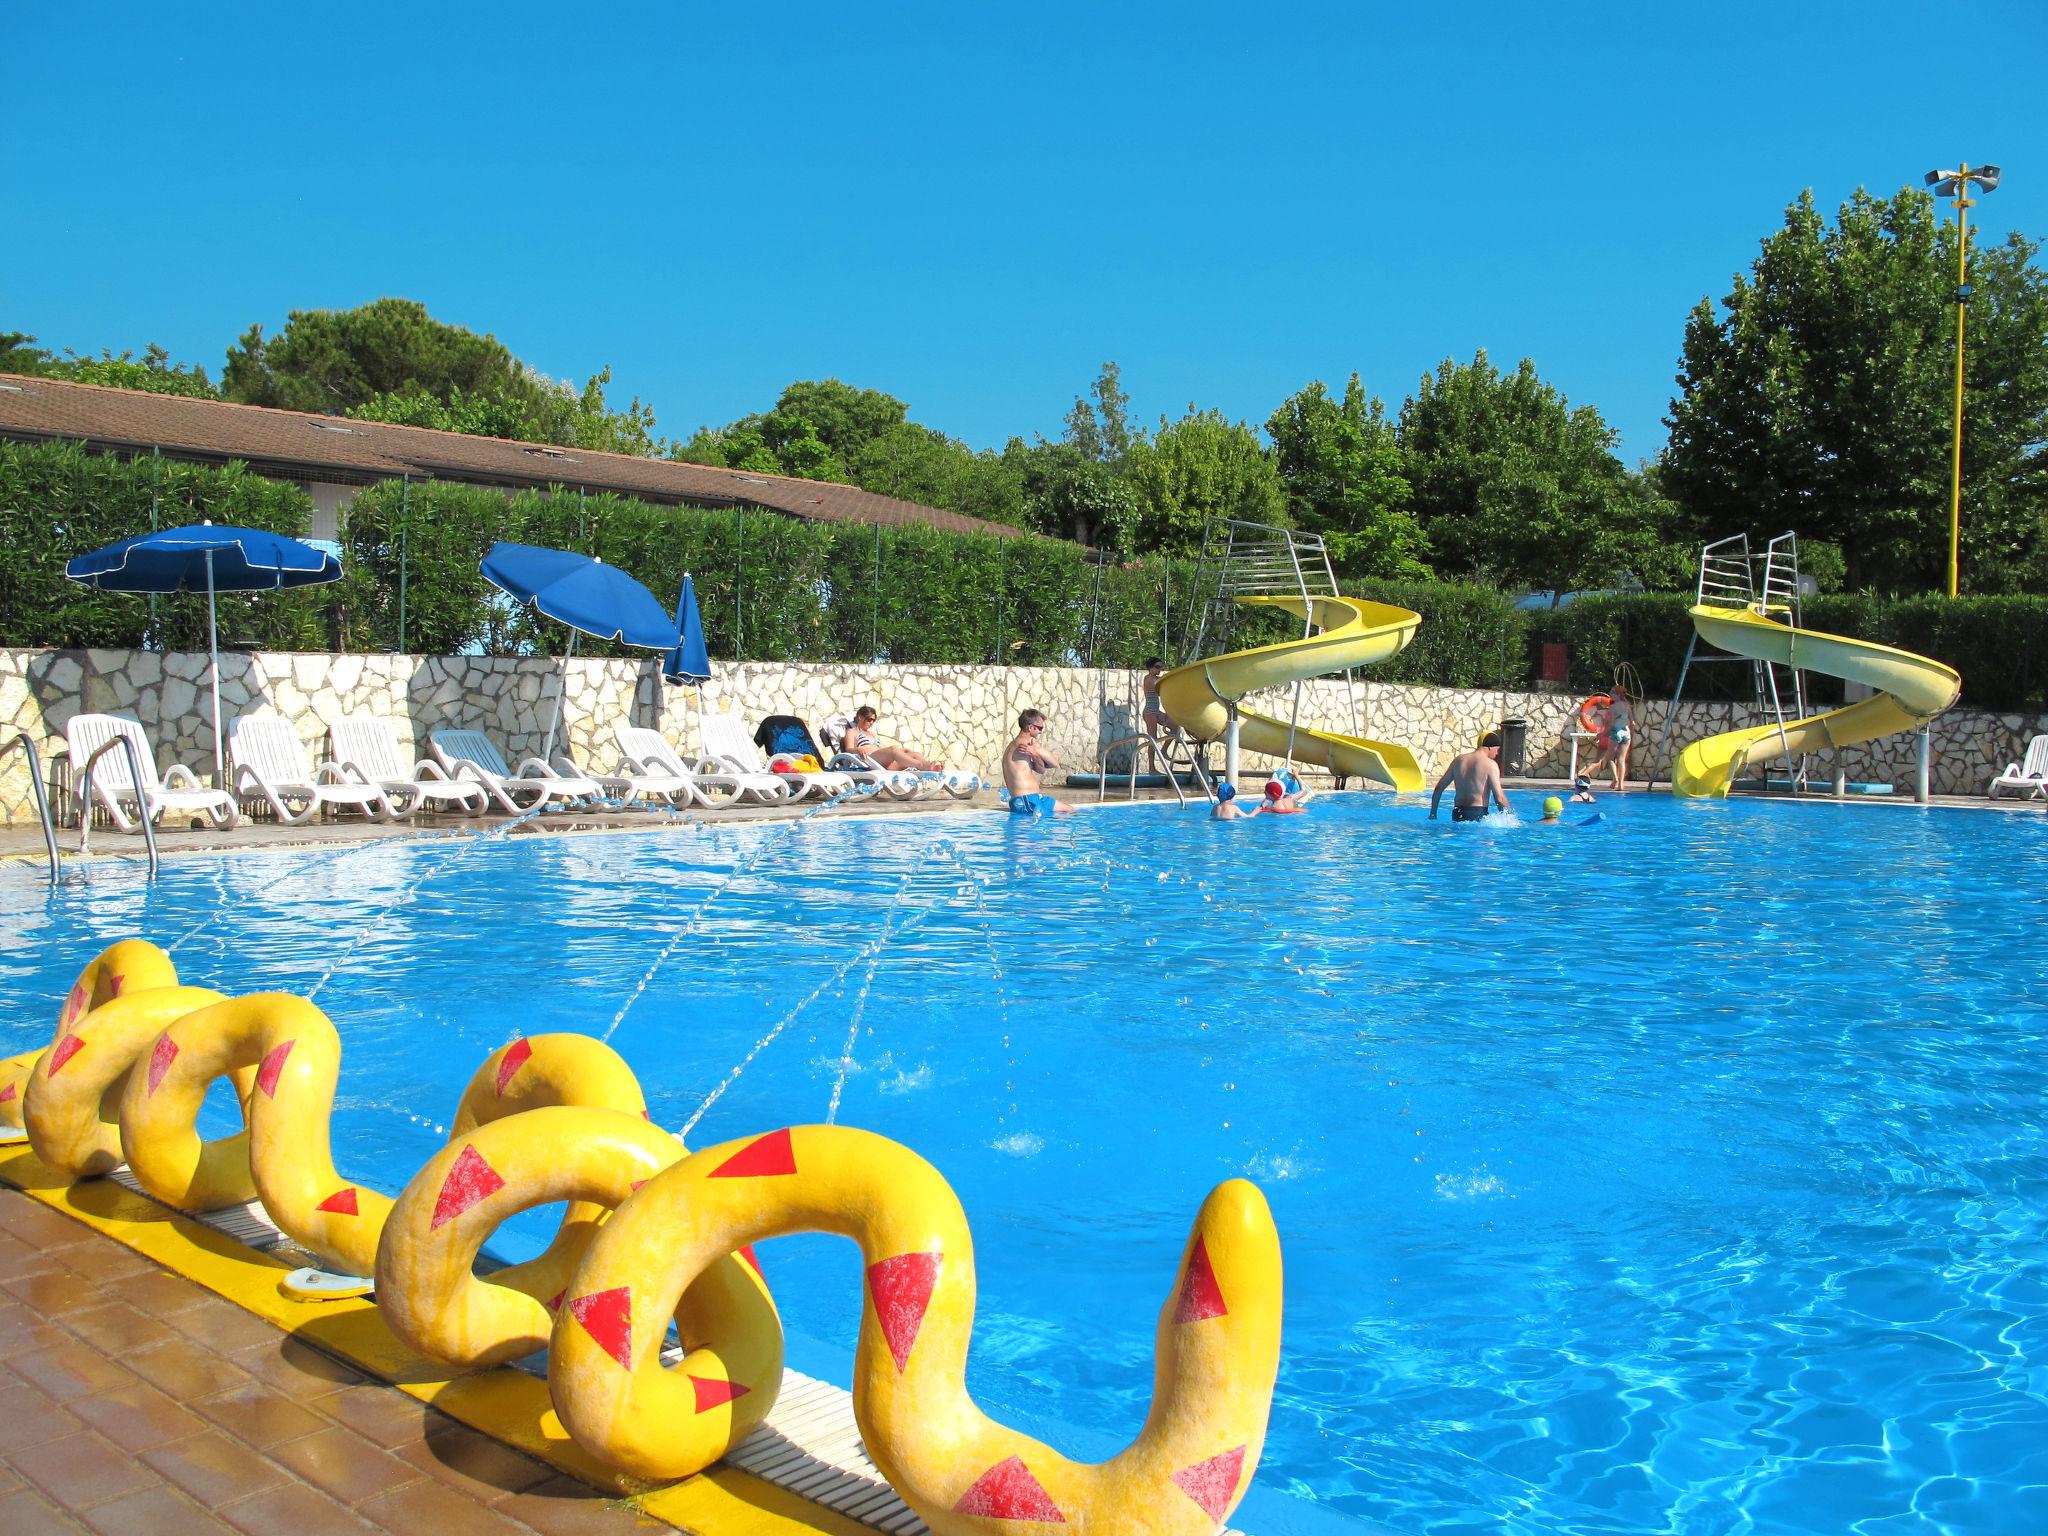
(1477, 775)
(1024, 759)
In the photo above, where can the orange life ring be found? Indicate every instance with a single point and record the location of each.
(1285, 810)
(1598, 701)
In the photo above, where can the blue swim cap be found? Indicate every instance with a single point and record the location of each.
(1226, 791)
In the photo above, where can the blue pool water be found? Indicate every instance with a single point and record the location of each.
(1684, 1173)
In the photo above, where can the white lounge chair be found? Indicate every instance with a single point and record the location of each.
(366, 748)
(270, 767)
(727, 743)
(957, 782)
(473, 755)
(113, 784)
(2029, 774)
(646, 751)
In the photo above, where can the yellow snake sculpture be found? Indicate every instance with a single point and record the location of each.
(653, 1233)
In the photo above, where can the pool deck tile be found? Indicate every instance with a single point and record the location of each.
(132, 1401)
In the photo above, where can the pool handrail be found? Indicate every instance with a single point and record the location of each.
(26, 744)
(135, 776)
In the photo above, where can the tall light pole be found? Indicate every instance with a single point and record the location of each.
(1956, 184)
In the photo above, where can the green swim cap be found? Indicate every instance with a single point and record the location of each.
(1552, 806)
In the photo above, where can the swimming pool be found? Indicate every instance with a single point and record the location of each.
(1680, 1173)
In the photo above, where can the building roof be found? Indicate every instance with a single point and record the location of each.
(296, 445)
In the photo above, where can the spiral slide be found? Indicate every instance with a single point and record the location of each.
(1353, 633)
(1911, 690)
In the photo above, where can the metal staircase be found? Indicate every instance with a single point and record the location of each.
(1250, 560)
(1733, 576)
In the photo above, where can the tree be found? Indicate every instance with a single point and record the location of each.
(1819, 396)
(155, 372)
(1098, 426)
(392, 361)
(1200, 467)
(1340, 463)
(1513, 486)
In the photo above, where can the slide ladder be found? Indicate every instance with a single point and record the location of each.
(1255, 565)
(1754, 616)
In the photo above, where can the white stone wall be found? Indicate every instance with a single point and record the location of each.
(962, 715)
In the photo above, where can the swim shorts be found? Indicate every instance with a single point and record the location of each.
(1468, 813)
(1620, 735)
(1029, 805)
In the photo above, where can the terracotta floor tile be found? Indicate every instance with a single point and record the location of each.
(82, 1470)
(70, 1370)
(34, 1224)
(257, 1416)
(426, 1505)
(53, 1292)
(341, 1462)
(294, 1366)
(154, 1512)
(28, 1513)
(214, 1468)
(9, 1483)
(380, 1414)
(562, 1506)
(138, 1418)
(158, 1293)
(297, 1510)
(19, 1258)
(28, 1418)
(101, 1260)
(464, 1459)
(116, 1328)
(23, 1330)
(224, 1327)
(186, 1370)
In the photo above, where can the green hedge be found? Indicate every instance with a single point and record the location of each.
(57, 501)
(772, 587)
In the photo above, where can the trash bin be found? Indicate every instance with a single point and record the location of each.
(1514, 741)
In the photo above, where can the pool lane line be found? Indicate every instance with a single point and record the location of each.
(508, 1404)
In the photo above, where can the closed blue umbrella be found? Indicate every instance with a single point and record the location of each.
(690, 661)
(584, 593)
(209, 558)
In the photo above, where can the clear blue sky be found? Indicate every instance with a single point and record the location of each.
(972, 206)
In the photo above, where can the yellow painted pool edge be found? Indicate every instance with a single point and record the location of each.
(509, 1405)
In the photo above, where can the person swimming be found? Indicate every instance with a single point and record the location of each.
(1553, 811)
(1024, 759)
(1227, 808)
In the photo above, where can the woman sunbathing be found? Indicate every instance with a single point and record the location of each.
(862, 741)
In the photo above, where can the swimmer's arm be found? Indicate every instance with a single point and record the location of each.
(1493, 785)
(1438, 793)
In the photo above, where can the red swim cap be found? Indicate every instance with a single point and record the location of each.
(1275, 789)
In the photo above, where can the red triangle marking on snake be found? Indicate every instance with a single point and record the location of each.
(161, 1055)
(1200, 1296)
(1211, 1483)
(636, 1186)
(74, 1005)
(1008, 1491)
(470, 1180)
(607, 1316)
(554, 1302)
(273, 1068)
(754, 1260)
(516, 1056)
(7, 1094)
(341, 1203)
(63, 1051)
(764, 1158)
(711, 1392)
(112, 986)
(902, 1289)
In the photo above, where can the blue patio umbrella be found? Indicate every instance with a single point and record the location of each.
(584, 593)
(209, 558)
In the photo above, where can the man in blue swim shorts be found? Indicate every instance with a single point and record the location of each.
(1024, 759)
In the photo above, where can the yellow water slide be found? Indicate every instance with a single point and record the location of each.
(1911, 690)
(1352, 633)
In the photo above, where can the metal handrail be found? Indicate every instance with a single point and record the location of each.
(126, 742)
(27, 745)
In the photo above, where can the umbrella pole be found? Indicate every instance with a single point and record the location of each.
(547, 750)
(213, 656)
